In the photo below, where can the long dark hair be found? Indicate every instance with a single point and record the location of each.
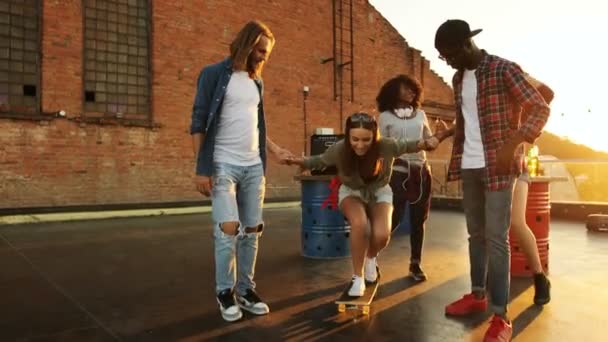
(368, 165)
(388, 97)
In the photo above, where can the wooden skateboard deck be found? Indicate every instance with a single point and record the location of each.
(362, 303)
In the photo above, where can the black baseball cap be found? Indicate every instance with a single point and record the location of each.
(453, 33)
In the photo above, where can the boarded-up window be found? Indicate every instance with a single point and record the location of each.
(117, 58)
(20, 57)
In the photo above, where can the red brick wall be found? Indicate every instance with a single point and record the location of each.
(63, 162)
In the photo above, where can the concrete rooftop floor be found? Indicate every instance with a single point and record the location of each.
(151, 279)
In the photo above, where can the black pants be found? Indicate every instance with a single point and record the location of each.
(413, 189)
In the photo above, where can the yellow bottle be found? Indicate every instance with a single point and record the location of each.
(532, 160)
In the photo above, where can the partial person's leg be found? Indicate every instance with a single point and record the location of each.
(380, 228)
(380, 233)
(473, 201)
(527, 241)
(250, 196)
(399, 198)
(353, 210)
(520, 228)
(498, 220)
(226, 222)
(419, 213)
(380, 215)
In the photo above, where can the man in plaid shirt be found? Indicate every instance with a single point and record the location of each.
(490, 94)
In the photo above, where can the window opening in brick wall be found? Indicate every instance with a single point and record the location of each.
(117, 59)
(20, 57)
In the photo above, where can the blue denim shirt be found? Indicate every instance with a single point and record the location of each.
(211, 89)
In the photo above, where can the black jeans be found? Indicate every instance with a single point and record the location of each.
(413, 189)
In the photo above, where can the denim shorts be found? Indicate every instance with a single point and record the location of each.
(382, 195)
(238, 194)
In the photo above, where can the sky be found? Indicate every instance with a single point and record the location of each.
(563, 44)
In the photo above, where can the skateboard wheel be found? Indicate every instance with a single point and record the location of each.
(341, 308)
(366, 310)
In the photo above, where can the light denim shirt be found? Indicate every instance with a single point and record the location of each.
(211, 89)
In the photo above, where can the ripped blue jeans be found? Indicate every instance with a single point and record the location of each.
(238, 196)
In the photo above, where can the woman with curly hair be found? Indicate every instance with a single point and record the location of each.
(401, 117)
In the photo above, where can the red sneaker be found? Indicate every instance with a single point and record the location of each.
(500, 330)
(466, 305)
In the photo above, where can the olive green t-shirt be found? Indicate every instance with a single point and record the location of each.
(389, 149)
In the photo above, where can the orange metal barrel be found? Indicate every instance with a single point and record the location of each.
(538, 216)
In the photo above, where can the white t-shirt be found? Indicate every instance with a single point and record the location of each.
(472, 156)
(237, 140)
(415, 128)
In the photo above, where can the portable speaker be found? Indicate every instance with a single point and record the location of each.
(319, 144)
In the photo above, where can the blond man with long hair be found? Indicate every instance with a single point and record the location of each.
(229, 140)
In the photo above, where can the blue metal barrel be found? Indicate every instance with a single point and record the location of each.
(325, 232)
(405, 225)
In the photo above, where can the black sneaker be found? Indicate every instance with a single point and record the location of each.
(542, 289)
(417, 273)
(251, 302)
(228, 307)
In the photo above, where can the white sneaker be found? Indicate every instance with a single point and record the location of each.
(252, 302)
(357, 288)
(370, 270)
(228, 307)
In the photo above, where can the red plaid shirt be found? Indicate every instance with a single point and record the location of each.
(502, 93)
